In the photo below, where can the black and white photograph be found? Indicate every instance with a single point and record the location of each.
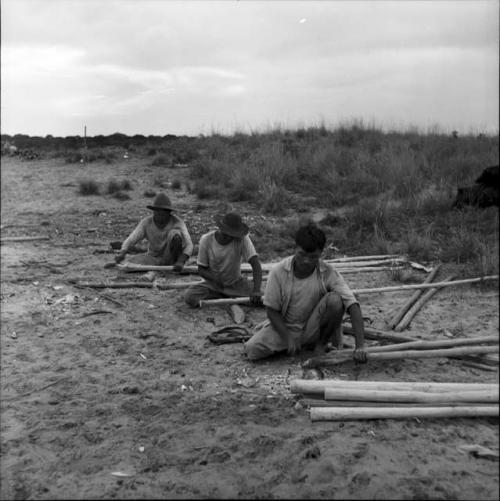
(249, 249)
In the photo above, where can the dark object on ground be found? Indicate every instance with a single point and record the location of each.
(490, 177)
(230, 334)
(477, 195)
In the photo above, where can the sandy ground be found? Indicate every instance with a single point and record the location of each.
(90, 387)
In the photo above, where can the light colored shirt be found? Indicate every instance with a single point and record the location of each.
(225, 260)
(157, 237)
(282, 290)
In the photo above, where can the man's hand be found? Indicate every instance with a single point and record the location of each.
(255, 298)
(120, 257)
(294, 345)
(178, 266)
(359, 356)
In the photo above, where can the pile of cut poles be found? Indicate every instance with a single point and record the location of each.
(411, 350)
(336, 400)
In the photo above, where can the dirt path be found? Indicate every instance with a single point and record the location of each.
(92, 388)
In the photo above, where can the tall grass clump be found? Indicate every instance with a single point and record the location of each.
(88, 187)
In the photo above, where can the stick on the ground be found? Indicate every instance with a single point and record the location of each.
(22, 239)
(401, 313)
(340, 356)
(418, 305)
(377, 335)
(346, 413)
(36, 389)
(145, 285)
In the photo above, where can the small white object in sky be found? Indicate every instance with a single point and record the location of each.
(303, 20)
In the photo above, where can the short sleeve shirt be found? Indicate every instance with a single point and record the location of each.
(225, 260)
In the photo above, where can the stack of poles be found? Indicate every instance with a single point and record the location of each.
(412, 350)
(334, 400)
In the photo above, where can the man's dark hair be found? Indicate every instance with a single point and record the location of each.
(310, 238)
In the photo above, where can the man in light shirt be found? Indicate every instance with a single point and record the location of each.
(169, 242)
(220, 255)
(305, 301)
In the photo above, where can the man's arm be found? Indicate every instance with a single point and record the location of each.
(255, 298)
(359, 332)
(209, 275)
(278, 323)
(136, 236)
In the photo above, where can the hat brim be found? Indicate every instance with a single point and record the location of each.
(159, 207)
(232, 232)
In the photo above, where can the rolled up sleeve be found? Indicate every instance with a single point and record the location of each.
(336, 283)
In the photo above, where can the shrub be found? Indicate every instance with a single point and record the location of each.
(149, 193)
(113, 187)
(120, 195)
(88, 187)
(176, 184)
(161, 161)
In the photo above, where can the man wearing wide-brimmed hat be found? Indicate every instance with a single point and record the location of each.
(220, 255)
(169, 242)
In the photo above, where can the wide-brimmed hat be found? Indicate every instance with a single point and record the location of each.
(161, 201)
(231, 224)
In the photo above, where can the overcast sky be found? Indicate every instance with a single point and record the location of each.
(189, 67)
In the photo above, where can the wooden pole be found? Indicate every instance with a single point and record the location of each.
(146, 285)
(317, 387)
(401, 313)
(317, 402)
(364, 258)
(485, 396)
(347, 413)
(246, 300)
(377, 335)
(418, 305)
(424, 286)
(22, 239)
(438, 343)
(339, 358)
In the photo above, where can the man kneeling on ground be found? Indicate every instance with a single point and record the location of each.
(305, 300)
(220, 255)
(169, 242)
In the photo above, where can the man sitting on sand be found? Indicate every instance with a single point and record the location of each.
(220, 255)
(169, 242)
(305, 301)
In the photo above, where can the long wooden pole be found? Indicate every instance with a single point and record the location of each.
(347, 413)
(317, 387)
(437, 343)
(418, 305)
(246, 300)
(425, 286)
(317, 402)
(266, 267)
(488, 396)
(335, 359)
(401, 313)
(377, 335)
(22, 239)
(146, 285)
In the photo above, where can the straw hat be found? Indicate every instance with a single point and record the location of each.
(231, 224)
(161, 201)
